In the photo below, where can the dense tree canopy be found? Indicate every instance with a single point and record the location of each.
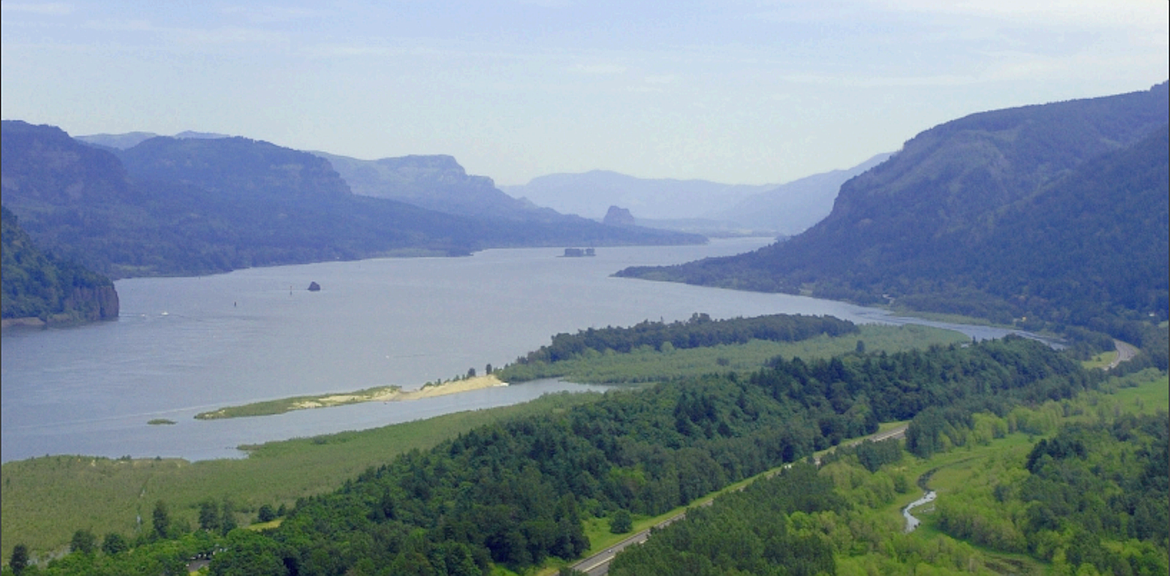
(40, 286)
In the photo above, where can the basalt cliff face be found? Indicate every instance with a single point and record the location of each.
(96, 303)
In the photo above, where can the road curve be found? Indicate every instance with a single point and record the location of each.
(1125, 352)
(598, 564)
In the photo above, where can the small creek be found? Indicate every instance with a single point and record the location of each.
(911, 521)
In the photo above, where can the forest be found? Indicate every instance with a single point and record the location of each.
(42, 286)
(518, 493)
(1092, 500)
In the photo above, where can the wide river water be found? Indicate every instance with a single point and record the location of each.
(187, 345)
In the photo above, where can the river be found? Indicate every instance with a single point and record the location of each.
(186, 345)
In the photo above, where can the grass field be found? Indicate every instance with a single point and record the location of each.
(650, 365)
(44, 500)
(1100, 360)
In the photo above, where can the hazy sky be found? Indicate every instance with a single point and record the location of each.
(731, 91)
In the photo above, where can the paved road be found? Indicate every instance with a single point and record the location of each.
(1125, 352)
(598, 564)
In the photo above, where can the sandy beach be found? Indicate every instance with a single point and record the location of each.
(395, 394)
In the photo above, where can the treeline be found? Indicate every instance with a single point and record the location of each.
(699, 331)
(517, 493)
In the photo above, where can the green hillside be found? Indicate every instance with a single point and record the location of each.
(46, 288)
(1056, 213)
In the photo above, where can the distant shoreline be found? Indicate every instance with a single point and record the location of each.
(31, 321)
(378, 394)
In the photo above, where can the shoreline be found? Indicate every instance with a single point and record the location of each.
(378, 394)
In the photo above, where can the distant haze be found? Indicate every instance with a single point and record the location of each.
(590, 194)
(771, 208)
(737, 92)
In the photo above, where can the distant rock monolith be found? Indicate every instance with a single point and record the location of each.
(618, 217)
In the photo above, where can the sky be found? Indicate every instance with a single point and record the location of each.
(742, 92)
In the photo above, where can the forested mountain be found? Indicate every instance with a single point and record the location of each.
(1054, 212)
(199, 205)
(436, 183)
(46, 288)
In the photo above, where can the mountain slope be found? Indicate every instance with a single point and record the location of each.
(422, 196)
(201, 205)
(436, 183)
(793, 207)
(964, 219)
(42, 287)
(198, 206)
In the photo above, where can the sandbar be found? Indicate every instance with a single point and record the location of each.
(379, 394)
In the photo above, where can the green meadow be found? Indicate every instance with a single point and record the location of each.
(647, 364)
(44, 500)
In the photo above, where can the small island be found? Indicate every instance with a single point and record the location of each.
(579, 252)
(161, 422)
(377, 394)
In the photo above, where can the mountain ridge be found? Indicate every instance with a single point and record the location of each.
(912, 228)
(203, 205)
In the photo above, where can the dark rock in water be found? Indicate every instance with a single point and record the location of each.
(618, 217)
(314, 287)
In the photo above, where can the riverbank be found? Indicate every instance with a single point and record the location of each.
(378, 394)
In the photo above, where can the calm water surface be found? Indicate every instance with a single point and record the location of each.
(186, 345)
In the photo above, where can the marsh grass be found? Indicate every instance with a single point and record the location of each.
(43, 501)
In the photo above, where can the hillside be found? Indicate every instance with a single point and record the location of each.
(1055, 212)
(793, 207)
(196, 205)
(36, 286)
(436, 183)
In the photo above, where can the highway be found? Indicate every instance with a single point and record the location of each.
(598, 564)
